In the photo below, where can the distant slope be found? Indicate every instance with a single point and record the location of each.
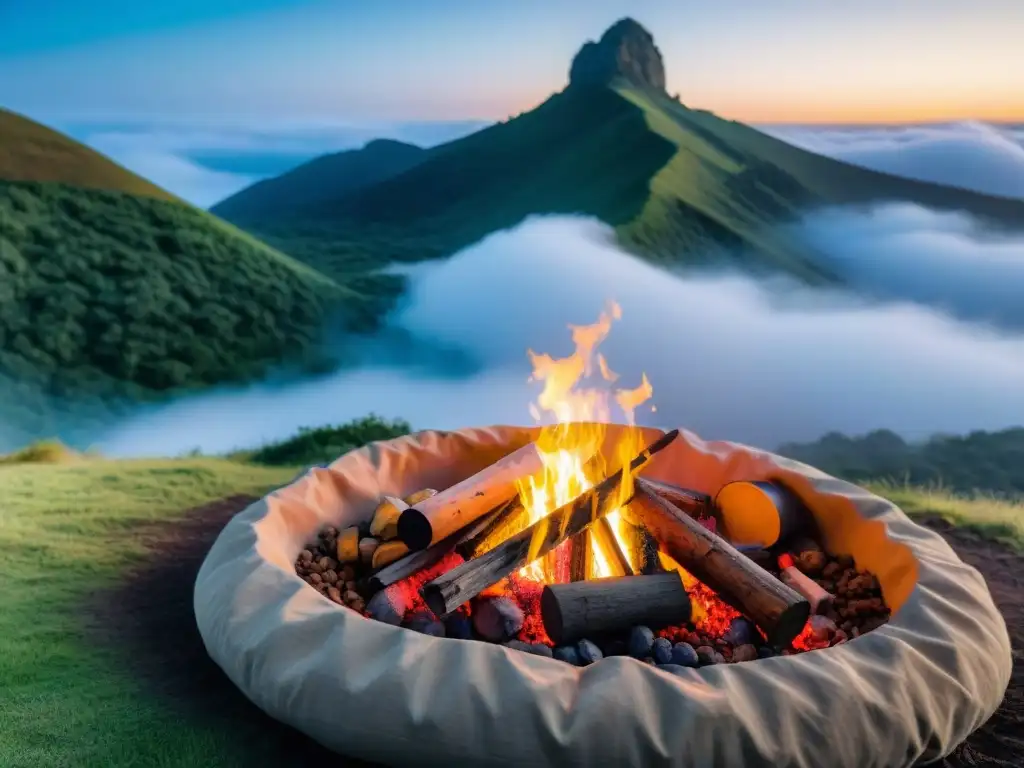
(30, 151)
(107, 295)
(324, 179)
(680, 186)
(988, 462)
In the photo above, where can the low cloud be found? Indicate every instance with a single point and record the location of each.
(728, 356)
(943, 260)
(980, 156)
(204, 162)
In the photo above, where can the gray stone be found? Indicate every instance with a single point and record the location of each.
(662, 650)
(641, 639)
(706, 654)
(387, 606)
(744, 653)
(626, 50)
(588, 652)
(684, 655)
(498, 619)
(741, 632)
(539, 649)
(568, 654)
(458, 626)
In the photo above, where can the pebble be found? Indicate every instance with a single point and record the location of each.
(517, 645)
(498, 619)
(662, 650)
(588, 652)
(539, 649)
(744, 653)
(425, 623)
(388, 607)
(334, 594)
(822, 628)
(811, 561)
(706, 654)
(765, 652)
(684, 655)
(367, 547)
(568, 654)
(641, 640)
(741, 632)
(458, 626)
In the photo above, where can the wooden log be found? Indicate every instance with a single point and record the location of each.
(761, 512)
(464, 582)
(511, 518)
(417, 561)
(581, 563)
(693, 503)
(592, 608)
(436, 518)
(602, 533)
(778, 610)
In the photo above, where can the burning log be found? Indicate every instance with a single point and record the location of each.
(510, 518)
(601, 532)
(778, 610)
(434, 519)
(591, 608)
(466, 581)
(417, 561)
(581, 564)
(693, 503)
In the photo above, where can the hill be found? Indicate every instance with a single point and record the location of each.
(111, 290)
(323, 180)
(985, 462)
(30, 151)
(680, 186)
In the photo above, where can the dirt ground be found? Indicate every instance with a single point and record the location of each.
(149, 620)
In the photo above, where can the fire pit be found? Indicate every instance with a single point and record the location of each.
(577, 595)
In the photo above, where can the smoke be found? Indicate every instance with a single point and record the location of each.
(979, 156)
(728, 356)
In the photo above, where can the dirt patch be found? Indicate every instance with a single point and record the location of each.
(150, 621)
(1000, 741)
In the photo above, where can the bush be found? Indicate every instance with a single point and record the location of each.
(324, 444)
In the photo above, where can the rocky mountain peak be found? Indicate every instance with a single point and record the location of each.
(626, 50)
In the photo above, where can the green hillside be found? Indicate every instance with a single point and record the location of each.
(112, 291)
(325, 179)
(680, 186)
(986, 462)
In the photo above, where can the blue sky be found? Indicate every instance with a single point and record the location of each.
(778, 61)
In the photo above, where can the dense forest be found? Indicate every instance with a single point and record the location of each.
(987, 462)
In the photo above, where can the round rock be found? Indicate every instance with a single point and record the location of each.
(662, 650)
(744, 653)
(684, 655)
(387, 606)
(706, 654)
(741, 632)
(458, 626)
(568, 654)
(641, 640)
(589, 652)
(425, 623)
(498, 619)
(539, 649)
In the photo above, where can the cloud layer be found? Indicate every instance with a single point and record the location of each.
(205, 162)
(729, 357)
(979, 156)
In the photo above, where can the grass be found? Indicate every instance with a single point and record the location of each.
(69, 530)
(66, 532)
(997, 519)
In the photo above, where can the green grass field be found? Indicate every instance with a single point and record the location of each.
(69, 531)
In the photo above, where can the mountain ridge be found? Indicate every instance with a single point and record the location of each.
(680, 186)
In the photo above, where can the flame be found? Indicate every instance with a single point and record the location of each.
(571, 443)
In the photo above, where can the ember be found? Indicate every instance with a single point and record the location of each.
(558, 550)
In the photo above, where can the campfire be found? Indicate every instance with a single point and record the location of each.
(563, 549)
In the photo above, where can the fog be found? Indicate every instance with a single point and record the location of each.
(944, 260)
(758, 362)
(980, 156)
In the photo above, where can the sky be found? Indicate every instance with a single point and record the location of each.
(785, 61)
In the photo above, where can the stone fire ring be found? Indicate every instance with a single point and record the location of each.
(911, 689)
